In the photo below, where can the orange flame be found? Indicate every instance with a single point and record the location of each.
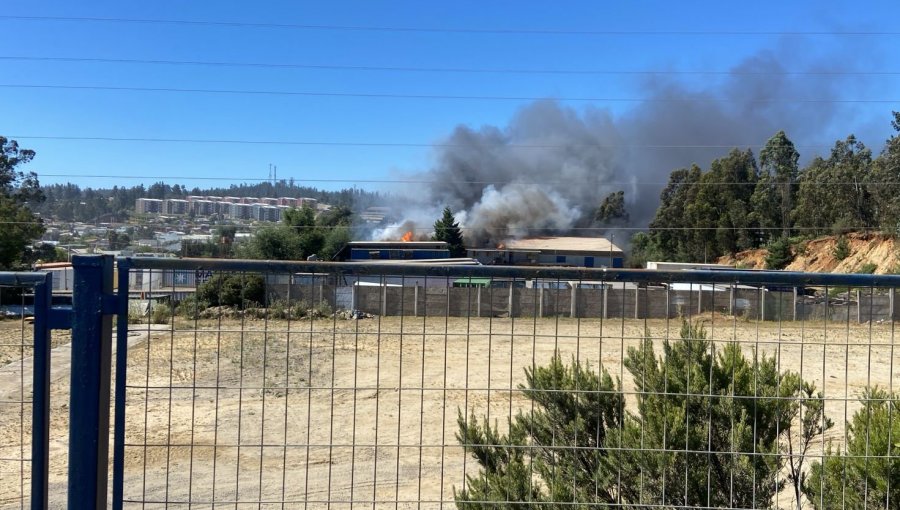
(407, 237)
(501, 246)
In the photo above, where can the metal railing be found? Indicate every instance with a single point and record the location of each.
(273, 384)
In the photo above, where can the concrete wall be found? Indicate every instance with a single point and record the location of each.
(634, 303)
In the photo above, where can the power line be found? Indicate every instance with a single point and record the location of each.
(498, 229)
(440, 30)
(374, 95)
(455, 182)
(414, 69)
(391, 144)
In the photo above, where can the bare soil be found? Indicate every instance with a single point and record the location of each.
(328, 412)
(817, 255)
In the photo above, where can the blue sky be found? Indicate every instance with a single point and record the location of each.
(48, 112)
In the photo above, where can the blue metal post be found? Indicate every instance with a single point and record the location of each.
(40, 412)
(121, 381)
(89, 398)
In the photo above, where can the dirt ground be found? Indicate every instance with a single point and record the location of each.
(333, 412)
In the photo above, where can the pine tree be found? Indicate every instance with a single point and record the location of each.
(446, 229)
(709, 428)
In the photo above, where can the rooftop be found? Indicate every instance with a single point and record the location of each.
(587, 244)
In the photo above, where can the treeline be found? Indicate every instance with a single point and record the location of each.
(742, 202)
(69, 202)
(300, 235)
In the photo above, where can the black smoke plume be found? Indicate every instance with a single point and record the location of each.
(549, 168)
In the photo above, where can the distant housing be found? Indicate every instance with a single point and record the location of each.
(238, 208)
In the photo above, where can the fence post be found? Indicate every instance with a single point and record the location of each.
(89, 398)
(892, 314)
(573, 302)
(122, 296)
(40, 426)
(859, 306)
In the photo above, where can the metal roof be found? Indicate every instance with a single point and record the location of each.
(584, 244)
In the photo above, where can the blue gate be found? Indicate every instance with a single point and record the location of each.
(26, 365)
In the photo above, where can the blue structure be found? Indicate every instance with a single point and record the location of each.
(358, 251)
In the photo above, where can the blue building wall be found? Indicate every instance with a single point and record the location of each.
(397, 254)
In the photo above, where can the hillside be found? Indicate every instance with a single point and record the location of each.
(818, 255)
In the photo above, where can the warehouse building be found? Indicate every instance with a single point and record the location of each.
(553, 251)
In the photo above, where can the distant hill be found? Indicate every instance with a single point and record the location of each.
(818, 255)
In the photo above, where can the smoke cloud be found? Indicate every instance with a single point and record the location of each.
(548, 169)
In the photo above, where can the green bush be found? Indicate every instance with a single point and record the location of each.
(321, 309)
(868, 268)
(694, 410)
(841, 248)
(779, 253)
(160, 313)
(869, 473)
(233, 289)
(191, 307)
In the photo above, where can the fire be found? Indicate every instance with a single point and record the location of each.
(501, 246)
(407, 237)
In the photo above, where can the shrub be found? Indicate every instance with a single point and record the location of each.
(135, 312)
(841, 248)
(233, 289)
(868, 268)
(779, 254)
(870, 471)
(694, 410)
(191, 308)
(160, 313)
(322, 309)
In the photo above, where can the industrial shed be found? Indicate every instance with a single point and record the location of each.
(553, 251)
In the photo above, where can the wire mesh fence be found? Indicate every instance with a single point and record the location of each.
(387, 386)
(24, 389)
(16, 348)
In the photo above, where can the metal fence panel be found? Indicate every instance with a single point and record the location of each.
(386, 386)
(24, 388)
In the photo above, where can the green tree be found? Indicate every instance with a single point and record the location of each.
(338, 216)
(233, 289)
(643, 250)
(117, 240)
(705, 215)
(707, 430)
(868, 475)
(560, 418)
(722, 206)
(668, 229)
(779, 253)
(834, 193)
(778, 162)
(447, 229)
(274, 243)
(612, 209)
(335, 240)
(17, 190)
(886, 186)
(297, 238)
(300, 219)
(841, 248)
